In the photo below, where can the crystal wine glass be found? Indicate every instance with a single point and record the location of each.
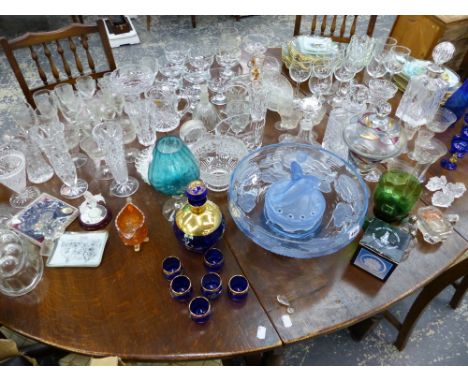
(229, 51)
(13, 176)
(201, 57)
(90, 147)
(299, 71)
(109, 137)
(382, 47)
(320, 81)
(396, 59)
(217, 83)
(51, 140)
(344, 76)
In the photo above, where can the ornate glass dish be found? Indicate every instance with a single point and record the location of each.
(344, 192)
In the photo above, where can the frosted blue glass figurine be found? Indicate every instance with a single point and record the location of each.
(295, 207)
(172, 168)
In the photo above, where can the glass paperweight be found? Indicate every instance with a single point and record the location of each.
(199, 224)
(338, 182)
(295, 207)
(131, 226)
(434, 226)
(94, 214)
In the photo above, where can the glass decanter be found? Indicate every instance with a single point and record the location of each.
(199, 224)
(172, 167)
(424, 93)
(205, 111)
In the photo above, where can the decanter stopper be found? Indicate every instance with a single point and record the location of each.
(383, 109)
(441, 54)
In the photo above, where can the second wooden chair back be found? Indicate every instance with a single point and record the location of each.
(75, 38)
(342, 36)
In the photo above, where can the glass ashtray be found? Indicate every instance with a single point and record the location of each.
(344, 193)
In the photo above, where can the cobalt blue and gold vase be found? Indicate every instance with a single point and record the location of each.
(199, 224)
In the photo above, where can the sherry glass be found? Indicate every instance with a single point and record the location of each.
(13, 176)
(201, 57)
(90, 147)
(86, 86)
(344, 76)
(109, 137)
(375, 68)
(299, 71)
(51, 140)
(320, 81)
(217, 83)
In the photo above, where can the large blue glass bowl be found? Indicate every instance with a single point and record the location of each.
(345, 193)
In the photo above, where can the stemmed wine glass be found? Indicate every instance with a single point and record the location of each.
(51, 140)
(299, 71)
(109, 137)
(229, 51)
(396, 59)
(13, 176)
(375, 68)
(320, 81)
(344, 76)
(201, 56)
(217, 83)
(382, 47)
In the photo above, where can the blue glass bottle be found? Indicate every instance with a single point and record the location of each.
(173, 166)
(199, 224)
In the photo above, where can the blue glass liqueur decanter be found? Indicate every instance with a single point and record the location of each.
(199, 224)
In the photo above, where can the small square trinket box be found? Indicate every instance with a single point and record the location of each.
(381, 249)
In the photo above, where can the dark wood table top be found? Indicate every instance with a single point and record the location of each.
(123, 307)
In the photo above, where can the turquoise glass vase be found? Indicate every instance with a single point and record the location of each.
(173, 166)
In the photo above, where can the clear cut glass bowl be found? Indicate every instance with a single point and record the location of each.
(345, 193)
(217, 156)
(133, 79)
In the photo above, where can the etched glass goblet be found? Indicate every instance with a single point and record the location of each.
(299, 71)
(13, 176)
(51, 140)
(109, 137)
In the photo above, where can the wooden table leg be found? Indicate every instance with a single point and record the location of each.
(362, 329)
(460, 292)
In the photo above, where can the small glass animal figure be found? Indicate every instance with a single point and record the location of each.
(131, 225)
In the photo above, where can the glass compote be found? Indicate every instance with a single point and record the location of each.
(373, 139)
(109, 137)
(13, 176)
(172, 168)
(299, 71)
(381, 89)
(51, 140)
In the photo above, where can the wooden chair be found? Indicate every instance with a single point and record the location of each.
(65, 38)
(333, 27)
(459, 272)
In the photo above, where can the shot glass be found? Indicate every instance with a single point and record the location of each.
(238, 288)
(171, 267)
(213, 259)
(211, 286)
(200, 309)
(181, 288)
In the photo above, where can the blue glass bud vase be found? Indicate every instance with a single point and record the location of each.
(173, 167)
(199, 224)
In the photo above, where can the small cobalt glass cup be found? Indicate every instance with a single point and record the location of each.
(211, 285)
(171, 267)
(200, 309)
(181, 288)
(213, 259)
(238, 288)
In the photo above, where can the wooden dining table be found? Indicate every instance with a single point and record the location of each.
(123, 307)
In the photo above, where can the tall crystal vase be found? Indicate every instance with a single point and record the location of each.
(51, 140)
(109, 137)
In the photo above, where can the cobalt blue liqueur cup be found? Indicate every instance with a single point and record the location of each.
(211, 285)
(171, 267)
(200, 309)
(213, 259)
(181, 288)
(238, 288)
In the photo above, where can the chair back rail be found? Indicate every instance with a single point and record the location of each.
(73, 38)
(341, 37)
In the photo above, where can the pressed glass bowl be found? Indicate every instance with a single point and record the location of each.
(217, 157)
(345, 193)
(132, 79)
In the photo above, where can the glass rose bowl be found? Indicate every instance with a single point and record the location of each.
(298, 200)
